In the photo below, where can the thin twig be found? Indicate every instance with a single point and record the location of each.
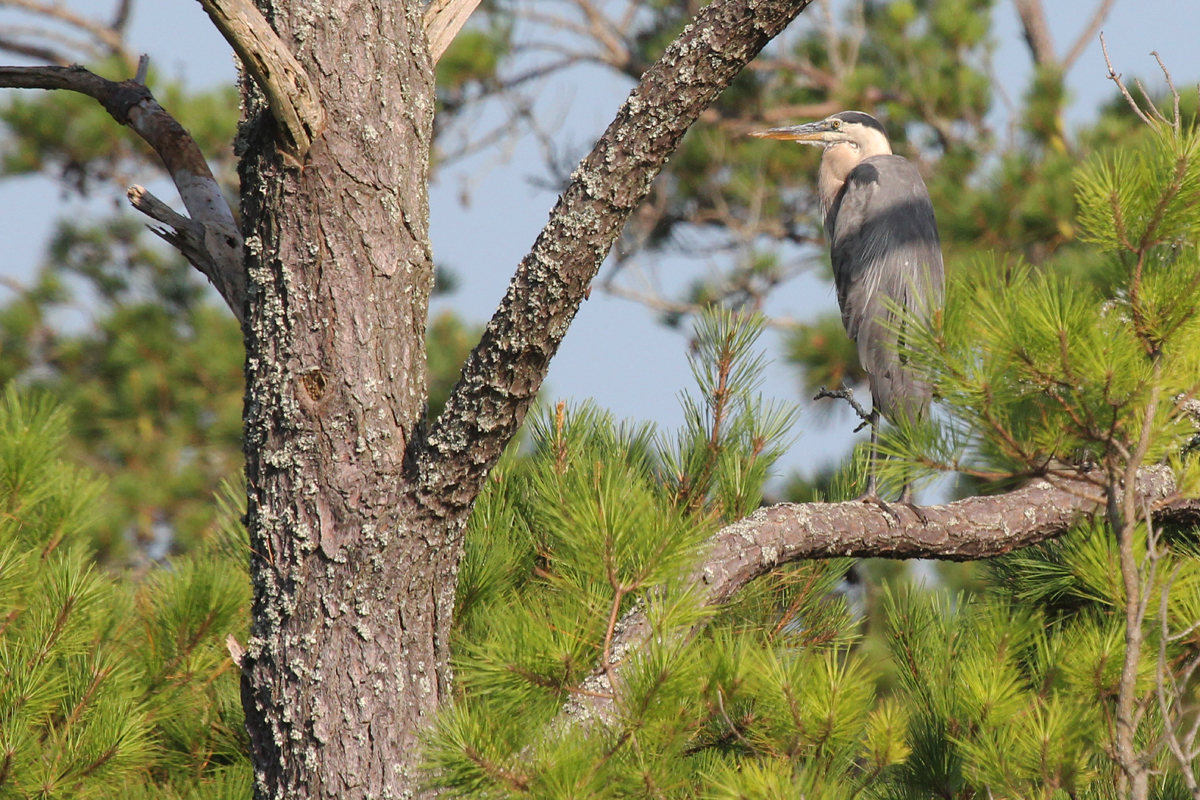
(1170, 85)
(34, 51)
(109, 37)
(1168, 707)
(1115, 77)
(847, 394)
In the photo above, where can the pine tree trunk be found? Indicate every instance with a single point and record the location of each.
(353, 582)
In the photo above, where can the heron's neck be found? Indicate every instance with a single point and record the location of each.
(839, 159)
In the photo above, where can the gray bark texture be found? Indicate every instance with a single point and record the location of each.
(355, 511)
(355, 514)
(967, 530)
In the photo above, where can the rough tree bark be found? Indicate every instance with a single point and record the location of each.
(355, 515)
(355, 511)
(966, 530)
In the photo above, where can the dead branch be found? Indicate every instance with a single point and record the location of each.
(33, 51)
(290, 92)
(108, 36)
(967, 530)
(213, 242)
(1115, 77)
(443, 20)
(121, 15)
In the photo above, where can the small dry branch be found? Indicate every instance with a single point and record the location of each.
(290, 92)
(443, 20)
(210, 239)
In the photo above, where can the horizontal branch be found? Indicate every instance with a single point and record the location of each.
(971, 529)
(212, 226)
(108, 36)
(290, 92)
(504, 372)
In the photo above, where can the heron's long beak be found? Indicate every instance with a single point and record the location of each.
(809, 132)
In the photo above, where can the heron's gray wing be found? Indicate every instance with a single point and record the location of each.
(884, 244)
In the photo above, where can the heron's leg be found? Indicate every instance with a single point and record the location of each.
(872, 459)
(871, 495)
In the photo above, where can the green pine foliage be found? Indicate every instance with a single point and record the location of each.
(1035, 369)
(108, 686)
(598, 518)
(1031, 685)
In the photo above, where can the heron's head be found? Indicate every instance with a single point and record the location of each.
(860, 131)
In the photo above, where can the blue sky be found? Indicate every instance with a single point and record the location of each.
(615, 352)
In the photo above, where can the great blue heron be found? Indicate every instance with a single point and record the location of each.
(884, 244)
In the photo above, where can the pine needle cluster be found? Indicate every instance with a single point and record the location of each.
(598, 518)
(107, 685)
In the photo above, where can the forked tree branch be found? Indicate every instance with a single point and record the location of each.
(971, 529)
(1036, 29)
(504, 372)
(290, 92)
(214, 243)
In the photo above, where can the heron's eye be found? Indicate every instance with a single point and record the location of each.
(837, 123)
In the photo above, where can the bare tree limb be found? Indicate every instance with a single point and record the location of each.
(121, 15)
(109, 37)
(214, 243)
(33, 51)
(504, 372)
(971, 529)
(443, 20)
(290, 92)
(191, 238)
(76, 46)
(1037, 32)
(1093, 27)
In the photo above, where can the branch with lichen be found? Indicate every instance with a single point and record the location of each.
(966, 530)
(503, 374)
